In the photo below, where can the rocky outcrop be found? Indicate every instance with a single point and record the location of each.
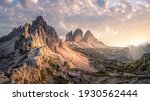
(86, 41)
(13, 34)
(141, 66)
(3, 78)
(77, 36)
(37, 35)
(69, 36)
(146, 56)
(38, 55)
(138, 51)
(89, 38)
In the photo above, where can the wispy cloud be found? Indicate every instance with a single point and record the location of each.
(105, 18)
(28, 3)
(6, 2)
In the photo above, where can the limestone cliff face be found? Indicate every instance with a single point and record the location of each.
(77, 36)
(37, 35)
(87, 40)
(69, 36)
(34, 53)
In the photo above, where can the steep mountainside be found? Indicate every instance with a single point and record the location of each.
(35, 54)
(137, 51)
(113, 64)
(89, 45)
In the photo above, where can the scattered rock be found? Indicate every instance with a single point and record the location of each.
(3, 79)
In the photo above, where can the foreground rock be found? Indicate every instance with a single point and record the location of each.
(3, 78)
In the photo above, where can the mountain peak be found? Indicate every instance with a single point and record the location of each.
(88, 33)
(69, 36)
(39, 19)
(88, 37)
(34, 53)
(37, 35)
(86, 40)
(78, 34)
(39, 22)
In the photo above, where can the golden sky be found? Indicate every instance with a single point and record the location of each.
(114, 22)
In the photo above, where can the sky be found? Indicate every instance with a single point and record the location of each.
(114, 22)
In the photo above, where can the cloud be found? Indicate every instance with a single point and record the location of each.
(105, 18)
(148, 1)
(28, 3)
(6, 2)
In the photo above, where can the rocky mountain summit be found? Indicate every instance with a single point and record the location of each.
(90, 45)
(76, 36)
(37, 35)
(34, 53)
(87, 40)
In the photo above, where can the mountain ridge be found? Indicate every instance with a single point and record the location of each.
(86, 40)
(32, 49)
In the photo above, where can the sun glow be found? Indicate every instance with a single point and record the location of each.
(123, 40)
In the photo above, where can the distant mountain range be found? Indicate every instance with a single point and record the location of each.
(34, 53)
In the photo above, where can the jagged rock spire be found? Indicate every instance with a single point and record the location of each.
(38, 34)
(69, 36)
(78, 34)
(39, 22)
(39, 19)
(88, 37)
